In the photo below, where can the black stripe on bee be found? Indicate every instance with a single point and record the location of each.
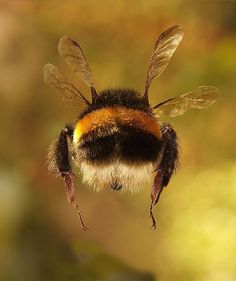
(138, 145)
(128, 144)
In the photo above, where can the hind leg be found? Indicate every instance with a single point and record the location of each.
(168, 164)
(61, 157)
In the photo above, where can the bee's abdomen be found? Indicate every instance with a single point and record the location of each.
(118, 134)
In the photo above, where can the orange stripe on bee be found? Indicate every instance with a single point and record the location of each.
(111, 115)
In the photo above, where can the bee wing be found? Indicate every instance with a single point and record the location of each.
(200, 98)
(165, 47)
(74, 56)
(54, 78)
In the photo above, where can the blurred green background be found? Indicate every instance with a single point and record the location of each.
(40, 235)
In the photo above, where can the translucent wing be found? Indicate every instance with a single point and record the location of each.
(200, 98)
(54, 78)
(165, 47)
(74, 56)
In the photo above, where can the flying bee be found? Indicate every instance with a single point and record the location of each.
(118, 140)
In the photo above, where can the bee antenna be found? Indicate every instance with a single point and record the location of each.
(94, 94)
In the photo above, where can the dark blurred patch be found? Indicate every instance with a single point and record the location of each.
(41, 253)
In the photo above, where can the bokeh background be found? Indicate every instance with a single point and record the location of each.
(40, 235)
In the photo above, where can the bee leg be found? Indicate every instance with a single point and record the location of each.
(166, 168)
(157, 188)
(62, 155)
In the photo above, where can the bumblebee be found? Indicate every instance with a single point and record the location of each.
(118, 140)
